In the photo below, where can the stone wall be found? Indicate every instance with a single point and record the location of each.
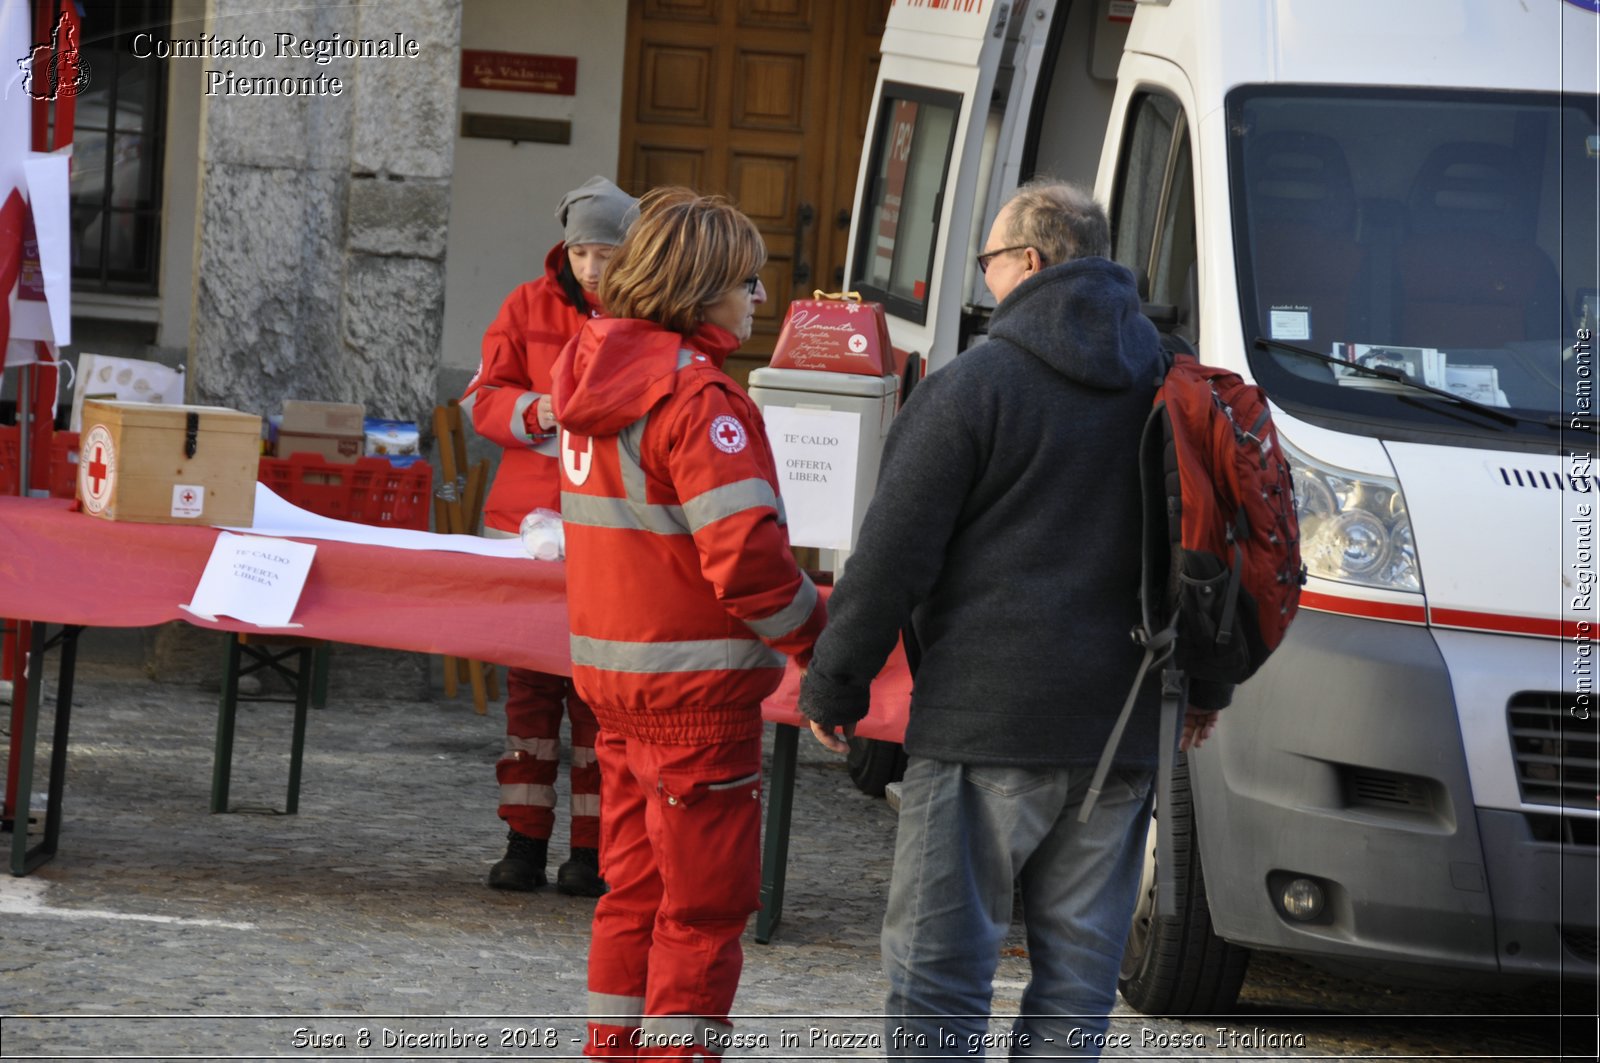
(320, 258)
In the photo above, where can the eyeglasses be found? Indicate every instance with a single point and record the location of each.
(751, 284)
(989, 256)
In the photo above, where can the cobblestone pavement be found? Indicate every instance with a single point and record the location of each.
(361, 927)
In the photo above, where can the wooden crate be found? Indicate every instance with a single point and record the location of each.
(168, 464)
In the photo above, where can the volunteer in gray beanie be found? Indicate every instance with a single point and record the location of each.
(509, 400)
(596, 212)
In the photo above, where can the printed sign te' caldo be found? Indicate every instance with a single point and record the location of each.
(817, 453)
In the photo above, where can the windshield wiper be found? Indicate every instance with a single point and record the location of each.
(1384, 373)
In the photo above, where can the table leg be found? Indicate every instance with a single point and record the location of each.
(775, 846)
(227, 709)
(321, 660)
(24, 859)
(66, 672)
(297, 744)
(242, 659)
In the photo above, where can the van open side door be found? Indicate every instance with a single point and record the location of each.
(916, 195)
(972, 98)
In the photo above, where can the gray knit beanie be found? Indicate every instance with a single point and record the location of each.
(596, 212)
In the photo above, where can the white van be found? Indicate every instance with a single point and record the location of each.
(1409, 189)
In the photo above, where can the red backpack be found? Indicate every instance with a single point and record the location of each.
(1222, 570)
(1229, 549)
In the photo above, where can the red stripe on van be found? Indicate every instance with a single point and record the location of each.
(1548, 627)
(1333, 603)
(1501, 623)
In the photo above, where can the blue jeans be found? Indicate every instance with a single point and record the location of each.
(966, 832)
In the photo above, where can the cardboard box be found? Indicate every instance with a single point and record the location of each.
(335, 431)
(168, 464)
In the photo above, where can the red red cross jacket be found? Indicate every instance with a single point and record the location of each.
(534, 323)
(682, 593)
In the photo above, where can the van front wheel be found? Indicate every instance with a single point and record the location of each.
(1178, 966)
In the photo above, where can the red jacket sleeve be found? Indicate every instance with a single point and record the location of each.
(518, 350)
(722, 468)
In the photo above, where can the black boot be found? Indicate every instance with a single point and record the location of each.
(580, 875)
(522, 868)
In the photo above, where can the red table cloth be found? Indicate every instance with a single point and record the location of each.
(65, 567)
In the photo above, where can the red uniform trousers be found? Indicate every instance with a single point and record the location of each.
(682, 854)
(527, 771)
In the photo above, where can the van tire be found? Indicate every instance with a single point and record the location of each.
(875, 764)
(1178, 966)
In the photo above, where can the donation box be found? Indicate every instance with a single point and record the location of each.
(168, 464)
(827, 431)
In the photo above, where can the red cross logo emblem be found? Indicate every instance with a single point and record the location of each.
(728, 435)
(576, 463)
(97, 473)
(97, 467)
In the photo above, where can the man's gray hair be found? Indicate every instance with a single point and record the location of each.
(1059, 220)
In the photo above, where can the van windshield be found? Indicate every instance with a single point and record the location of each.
(1449, 238)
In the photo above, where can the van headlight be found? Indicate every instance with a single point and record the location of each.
(1353, 526)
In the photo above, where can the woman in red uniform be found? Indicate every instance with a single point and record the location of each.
(683, 598)
(509, 401)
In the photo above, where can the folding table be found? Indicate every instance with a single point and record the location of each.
(66, 569)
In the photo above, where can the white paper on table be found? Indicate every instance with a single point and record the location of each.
(817, 453)
(275, 516)
(254, 579)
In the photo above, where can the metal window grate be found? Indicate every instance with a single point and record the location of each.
(1557, 751)
(119, 137)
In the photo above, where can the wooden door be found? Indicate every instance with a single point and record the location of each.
(763, 101)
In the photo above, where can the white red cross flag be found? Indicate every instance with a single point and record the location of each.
(39, 70)
(35, 255)
(15, 127)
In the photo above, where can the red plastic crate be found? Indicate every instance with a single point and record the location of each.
(10, 458)
(59, 474)
(367, 490)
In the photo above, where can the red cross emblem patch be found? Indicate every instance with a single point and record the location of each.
(97, 468)
(728, 434)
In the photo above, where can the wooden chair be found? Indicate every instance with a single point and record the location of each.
(458, 510)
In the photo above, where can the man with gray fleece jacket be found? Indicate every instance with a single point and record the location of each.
(1006, 528)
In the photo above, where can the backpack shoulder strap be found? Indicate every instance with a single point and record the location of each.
(1157, 603)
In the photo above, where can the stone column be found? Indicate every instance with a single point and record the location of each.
(323, 206)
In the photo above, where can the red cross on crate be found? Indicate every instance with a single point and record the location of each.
(97, 467)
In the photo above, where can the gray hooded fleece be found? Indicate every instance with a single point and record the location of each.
(1006, 527)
